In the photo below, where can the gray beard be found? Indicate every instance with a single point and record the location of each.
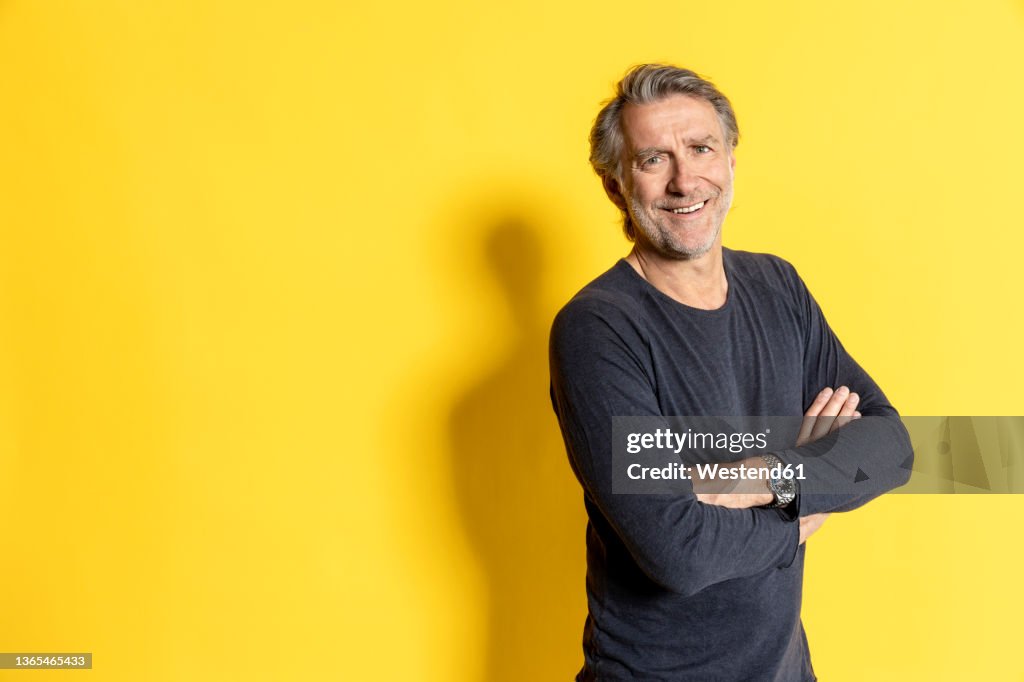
(663, 241)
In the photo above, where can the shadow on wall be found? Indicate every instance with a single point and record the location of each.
(520, 505)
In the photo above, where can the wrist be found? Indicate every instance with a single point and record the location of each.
(783, 489)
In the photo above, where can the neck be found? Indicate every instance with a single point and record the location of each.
(698, 283)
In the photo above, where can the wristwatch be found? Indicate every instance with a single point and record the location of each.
(784, 489)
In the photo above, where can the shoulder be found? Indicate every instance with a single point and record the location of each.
(765, 267)
(608, 307)
(765, 271)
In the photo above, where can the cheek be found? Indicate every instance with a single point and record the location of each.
(723, 176)
(642, 189)
(651, 183)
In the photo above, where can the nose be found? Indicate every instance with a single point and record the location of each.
(684, 178)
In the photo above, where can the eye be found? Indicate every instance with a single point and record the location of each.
(702, 149)
(650, 161)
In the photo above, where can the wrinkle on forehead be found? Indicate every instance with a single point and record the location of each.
(679, 119)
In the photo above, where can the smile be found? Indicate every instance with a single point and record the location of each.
(689, 209)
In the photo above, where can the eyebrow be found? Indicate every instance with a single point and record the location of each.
(647, 151)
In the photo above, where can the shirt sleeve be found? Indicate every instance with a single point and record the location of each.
(862, 459)
(598, 371)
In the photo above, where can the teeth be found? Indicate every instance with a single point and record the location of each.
(691, 209)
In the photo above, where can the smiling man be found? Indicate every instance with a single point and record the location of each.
(680, 179)
(705, 585)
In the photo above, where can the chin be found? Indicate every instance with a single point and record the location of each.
(687, 243)
(691, 254)
(688, 250)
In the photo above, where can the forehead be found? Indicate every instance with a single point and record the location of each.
(668, 121)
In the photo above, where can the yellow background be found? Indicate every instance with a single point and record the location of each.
(276, 287)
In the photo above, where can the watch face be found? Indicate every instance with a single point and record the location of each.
(784, 490)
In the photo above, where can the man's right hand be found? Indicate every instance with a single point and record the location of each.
(829, 411)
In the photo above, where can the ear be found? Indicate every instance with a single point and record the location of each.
(614, 192)
(732, 160)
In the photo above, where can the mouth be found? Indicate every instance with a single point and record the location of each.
(690, 210)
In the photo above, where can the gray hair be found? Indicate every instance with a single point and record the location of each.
(645, 84)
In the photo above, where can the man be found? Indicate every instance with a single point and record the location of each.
(705, 585)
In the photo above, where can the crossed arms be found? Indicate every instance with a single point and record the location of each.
(686, 543)
(831, 410)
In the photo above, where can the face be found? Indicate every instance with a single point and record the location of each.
(677, 175)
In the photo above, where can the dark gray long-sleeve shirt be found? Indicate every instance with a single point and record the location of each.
(677, 589)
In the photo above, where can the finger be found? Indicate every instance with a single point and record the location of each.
(836, 402)
(857, 414)
(850, 406)
(822, 425)
(846, 414)
(805, 431)
(820, 401)
(807, 425)
(810, 524)
(832, 409)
